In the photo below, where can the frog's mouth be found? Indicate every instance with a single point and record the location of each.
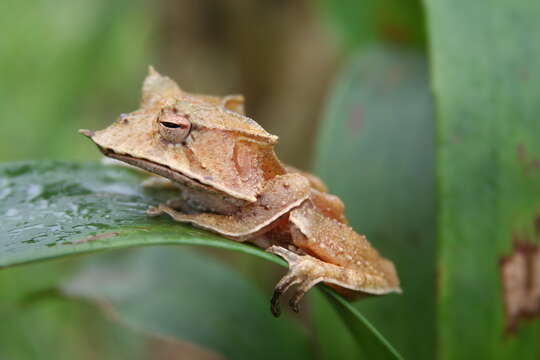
(167, 172)
(153, 167)
(158, 169)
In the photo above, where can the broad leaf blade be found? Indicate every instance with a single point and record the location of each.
(56, 209)
(486, 76)
(376, 153)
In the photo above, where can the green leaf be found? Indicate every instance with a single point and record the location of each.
(486, 79)
(54, 209)
(65, 64)
(335, 316)
(191, 298)
(376, 153)
(55, 328)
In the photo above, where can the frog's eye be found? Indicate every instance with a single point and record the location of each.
(173, 127)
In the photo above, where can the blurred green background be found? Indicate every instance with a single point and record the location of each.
(421, 116)
(72, 64)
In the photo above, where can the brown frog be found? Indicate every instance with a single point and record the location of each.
(233, 184)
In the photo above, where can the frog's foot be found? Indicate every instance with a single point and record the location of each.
(305, 272)
(156, 210)
(172, 204)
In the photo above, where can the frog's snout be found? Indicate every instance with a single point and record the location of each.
(86, 132)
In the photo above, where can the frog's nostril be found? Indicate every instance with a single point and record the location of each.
(86, 132)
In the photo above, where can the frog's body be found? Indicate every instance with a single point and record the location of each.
(233, 184)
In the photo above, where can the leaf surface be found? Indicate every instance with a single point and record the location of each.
(55, 209)
(185, 295)
(486, 76)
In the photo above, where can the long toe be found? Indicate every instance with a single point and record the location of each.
(274, 304)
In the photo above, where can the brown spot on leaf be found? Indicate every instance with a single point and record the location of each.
(356, 119)
(520, 277)
(528, 163)
(524, 75)
(97, 237)
(393, 78)
(394, 33)
(165, 348)
(537, 227)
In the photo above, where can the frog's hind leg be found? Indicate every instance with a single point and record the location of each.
(330, 252)
(306, 271)
(295, 276)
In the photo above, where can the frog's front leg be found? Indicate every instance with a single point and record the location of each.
(279, 196)
(158, 182)
(337, 255)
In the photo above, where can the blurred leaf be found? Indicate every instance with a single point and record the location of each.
(58, 329)
(486, 76)
(375, 152)
(333, 338)
(53, 209)
(54, 57)
(373, 344)
(360, 22)
(188, 297)
(344, 333)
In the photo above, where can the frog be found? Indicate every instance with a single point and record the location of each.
(231, 182)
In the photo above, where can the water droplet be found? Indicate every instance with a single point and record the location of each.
(122, 189)
(4, 193)
(12, 212)
(33, 191)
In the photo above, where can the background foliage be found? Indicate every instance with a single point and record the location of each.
(422, 117)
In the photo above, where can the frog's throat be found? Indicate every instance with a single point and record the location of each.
(167, 172)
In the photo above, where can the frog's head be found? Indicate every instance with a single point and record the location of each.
(195, 140)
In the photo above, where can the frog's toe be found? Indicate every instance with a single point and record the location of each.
(283, 285)
(302, 284)
(298, 295)
(154, 210)
(300, 275)
(287, 255)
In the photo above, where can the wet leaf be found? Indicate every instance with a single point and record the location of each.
(55, 209)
